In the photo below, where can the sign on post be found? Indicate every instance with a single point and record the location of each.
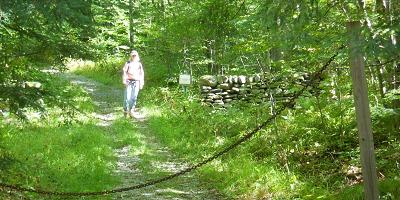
(185, 80)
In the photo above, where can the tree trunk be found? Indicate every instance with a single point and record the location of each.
(131, 33)
(384, 10)
(362, 112)
(210, 56)
(379, 71)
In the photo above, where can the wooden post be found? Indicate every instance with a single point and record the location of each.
(363, 115)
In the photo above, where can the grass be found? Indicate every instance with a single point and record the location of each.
(76, 159)
(194, 137)
(274, 164)
(388, 189)
(107, 71)
(242, 174)
(235, 174)
(68, 158)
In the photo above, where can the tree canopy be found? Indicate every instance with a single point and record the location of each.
(203, 37)
(313, 138)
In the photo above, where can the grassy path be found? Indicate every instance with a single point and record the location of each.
(148, 159)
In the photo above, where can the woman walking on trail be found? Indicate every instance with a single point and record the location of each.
(133, 79)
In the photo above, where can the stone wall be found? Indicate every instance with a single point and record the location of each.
(225, 90)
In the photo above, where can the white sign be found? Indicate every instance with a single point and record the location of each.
(184, 79)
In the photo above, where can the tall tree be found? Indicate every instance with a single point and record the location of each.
(131, 24)
(35, 35)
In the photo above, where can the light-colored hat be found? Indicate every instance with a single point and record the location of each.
(134, 53)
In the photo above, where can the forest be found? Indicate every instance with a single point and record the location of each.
(287, 125)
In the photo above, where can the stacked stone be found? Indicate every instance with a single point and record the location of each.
(224, 90)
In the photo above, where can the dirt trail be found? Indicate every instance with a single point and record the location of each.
(155, 161)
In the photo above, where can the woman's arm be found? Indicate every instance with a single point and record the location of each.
(124, 74)
(141, 76)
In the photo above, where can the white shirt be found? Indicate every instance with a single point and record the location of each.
(133, 70)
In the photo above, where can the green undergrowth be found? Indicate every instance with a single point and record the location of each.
(295, 157)
(107, 71)
(305, 153)
(75, 158)
(196, 132)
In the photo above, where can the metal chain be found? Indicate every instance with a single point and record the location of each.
(316, 78)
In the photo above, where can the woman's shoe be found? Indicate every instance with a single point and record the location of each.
(132, 114)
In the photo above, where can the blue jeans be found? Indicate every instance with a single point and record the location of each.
(130, 95)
